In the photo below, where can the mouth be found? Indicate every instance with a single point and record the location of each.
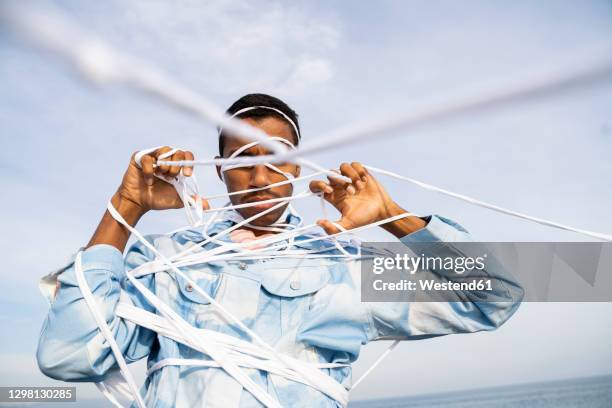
(258, 199)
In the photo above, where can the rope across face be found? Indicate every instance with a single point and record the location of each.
(246, 147)
(242, 149)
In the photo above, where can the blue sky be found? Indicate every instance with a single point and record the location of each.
(66, 144)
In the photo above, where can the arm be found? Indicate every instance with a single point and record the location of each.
(71, 347)
(421, 319)
(365, 201)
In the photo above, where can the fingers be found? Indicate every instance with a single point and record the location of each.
(188, 170)
(166, 153)
(173, 171)
(338, 183)
(348, 171)
(146, 163)
(357, 173)
(162, 169)
(361, 171)
(319, 186)
(354, 171)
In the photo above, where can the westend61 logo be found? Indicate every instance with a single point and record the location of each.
(412, 264)
(451, 273)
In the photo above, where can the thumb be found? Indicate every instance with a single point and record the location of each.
(331, 227)
(205, 204)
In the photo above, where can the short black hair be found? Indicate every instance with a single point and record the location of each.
(258, 99)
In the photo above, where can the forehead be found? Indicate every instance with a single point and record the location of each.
(271, 125)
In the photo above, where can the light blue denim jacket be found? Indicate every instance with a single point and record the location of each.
(307, 308)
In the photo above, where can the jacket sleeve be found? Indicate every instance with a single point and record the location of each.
(474, 311)
(71, 347)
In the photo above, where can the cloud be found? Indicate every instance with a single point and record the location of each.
(307, 73)
(227, 45)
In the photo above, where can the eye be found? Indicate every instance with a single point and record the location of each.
(242, 168)
(286, 166)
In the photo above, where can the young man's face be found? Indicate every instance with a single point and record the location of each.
(258, 176)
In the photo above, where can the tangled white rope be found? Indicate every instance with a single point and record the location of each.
(226, 351)
(101, 63)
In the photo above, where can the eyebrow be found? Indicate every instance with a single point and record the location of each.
(247, 152)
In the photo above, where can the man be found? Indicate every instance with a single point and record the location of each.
(308, 308)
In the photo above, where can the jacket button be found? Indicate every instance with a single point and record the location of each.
(189, 288)
(295, 284)
(242, 265)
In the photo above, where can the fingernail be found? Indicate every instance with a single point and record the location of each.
(149, 182)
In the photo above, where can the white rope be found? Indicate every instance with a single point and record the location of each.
(305, 194)
(307, 375)
(283, 114)
(190, 362)
(105, 330)
(240, 352)
(179, 325)
(483, 204)
(100, 63)
(585, 73)
(375, 364)
(280, 183)
(310, 376)
(296, 371)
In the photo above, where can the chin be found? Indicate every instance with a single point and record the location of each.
(264, 220)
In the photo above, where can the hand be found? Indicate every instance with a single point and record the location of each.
(361, 202)
(147, 192)
(139, 192)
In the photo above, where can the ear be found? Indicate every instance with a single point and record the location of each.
(218, 169)
(298, 170)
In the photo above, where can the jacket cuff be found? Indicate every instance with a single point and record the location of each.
(100, 256)
(103, 256)
(438, 229)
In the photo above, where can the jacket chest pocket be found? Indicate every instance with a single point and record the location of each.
(194, 296)
(296, 277)
(295, 283)
(237, 295)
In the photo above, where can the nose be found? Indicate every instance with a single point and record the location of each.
(260, 176)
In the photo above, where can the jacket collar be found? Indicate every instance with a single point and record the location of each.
(290, 217)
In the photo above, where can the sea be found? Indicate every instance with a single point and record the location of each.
(591, 392)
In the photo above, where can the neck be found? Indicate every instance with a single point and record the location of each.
(258, 232)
